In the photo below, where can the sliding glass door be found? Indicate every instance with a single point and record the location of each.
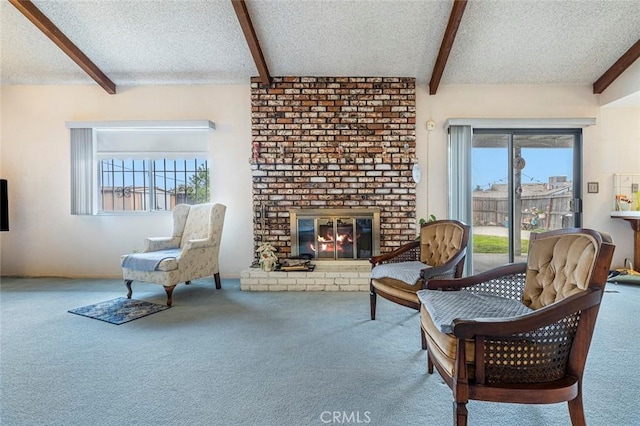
(523, 181)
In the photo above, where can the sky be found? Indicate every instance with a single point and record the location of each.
(489, 165)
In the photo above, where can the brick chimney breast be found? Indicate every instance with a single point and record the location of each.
(333, 142)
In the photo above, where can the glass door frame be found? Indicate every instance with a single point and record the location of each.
(576, 204)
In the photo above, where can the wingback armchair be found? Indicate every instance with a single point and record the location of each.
(519, 333)
(439, 252)
(191, 252)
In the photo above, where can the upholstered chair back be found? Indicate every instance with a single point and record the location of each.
(217, 223)
(180, 214)
(439, 242)
(198, 223)
(557, 267)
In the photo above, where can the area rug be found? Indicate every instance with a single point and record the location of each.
(120, 310)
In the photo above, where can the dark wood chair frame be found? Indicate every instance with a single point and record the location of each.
(508, 281)
(453, 268)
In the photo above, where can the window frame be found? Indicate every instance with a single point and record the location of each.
(151, 173)
(91, 142)
(459, 143)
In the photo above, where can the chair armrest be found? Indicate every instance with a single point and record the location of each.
(407, 252)
(189, 249)
(196, 244)
(499, 277)
(161, 243)
(469, 328)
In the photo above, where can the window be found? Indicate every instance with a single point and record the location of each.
(146, 185)
(138, 166)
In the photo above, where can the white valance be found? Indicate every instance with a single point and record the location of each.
(142, 124)
(164, 143)
(148, 139)
(522, 123)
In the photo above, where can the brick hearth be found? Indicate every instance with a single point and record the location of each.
(328, 276)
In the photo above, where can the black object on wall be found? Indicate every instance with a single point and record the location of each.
(4, 206)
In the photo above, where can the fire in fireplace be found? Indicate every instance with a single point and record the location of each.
(335, 234)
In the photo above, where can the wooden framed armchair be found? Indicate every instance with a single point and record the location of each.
(190, 253)
(438, 253)
(520, 333)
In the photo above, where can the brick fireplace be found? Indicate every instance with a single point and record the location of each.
(333, 143)
(335, 234)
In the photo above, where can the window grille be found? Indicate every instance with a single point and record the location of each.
(152, 185)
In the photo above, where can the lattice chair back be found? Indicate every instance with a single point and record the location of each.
(536, 356)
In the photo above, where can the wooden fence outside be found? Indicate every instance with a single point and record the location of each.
(553, 212)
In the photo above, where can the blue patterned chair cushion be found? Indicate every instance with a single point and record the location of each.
(161, 260)
(408, 272)
(445, 306)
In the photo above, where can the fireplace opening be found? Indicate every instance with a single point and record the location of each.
(335, 234)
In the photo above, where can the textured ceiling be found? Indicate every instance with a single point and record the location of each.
(200, 42)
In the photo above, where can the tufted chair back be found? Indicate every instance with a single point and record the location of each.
(558, 266)
(440, 241)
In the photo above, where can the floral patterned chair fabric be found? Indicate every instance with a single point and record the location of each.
(191, 252)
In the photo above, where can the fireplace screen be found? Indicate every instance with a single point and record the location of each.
(333, 235)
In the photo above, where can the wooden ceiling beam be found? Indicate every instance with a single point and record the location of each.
(33, 14)
(447, 42)
(252, 40)
(625, 61)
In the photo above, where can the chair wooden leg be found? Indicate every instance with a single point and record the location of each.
(216, 277)
(129, 291)
(169, 291)
(460, 414)
(429, 363)
(423, 337)
(372, 301)
(576, 411)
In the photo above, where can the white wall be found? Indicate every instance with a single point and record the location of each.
(625, 89)
(45, 240)
(488, 102)
(618, 152)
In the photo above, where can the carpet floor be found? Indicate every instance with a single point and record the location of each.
(228, 357)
